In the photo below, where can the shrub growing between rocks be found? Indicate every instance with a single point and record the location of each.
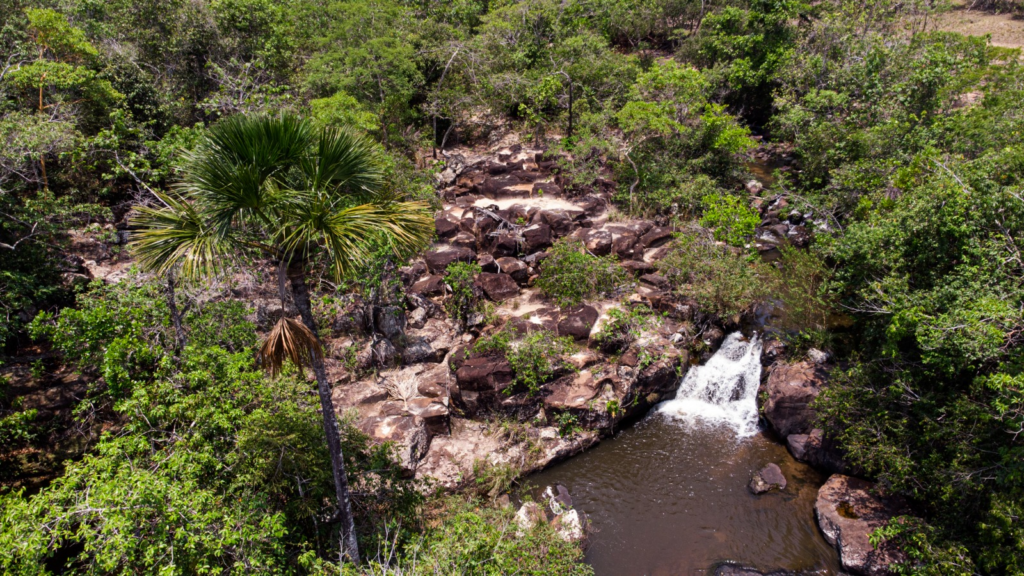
(534, 358)
(570, 274)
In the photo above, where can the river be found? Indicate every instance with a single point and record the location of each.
(669, 494)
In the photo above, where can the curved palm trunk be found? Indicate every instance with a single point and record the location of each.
(347, 536)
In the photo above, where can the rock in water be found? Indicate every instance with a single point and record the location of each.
(767, 478)
(848, 511)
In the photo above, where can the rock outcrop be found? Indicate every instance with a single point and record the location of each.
(791, 388)
(848, 511)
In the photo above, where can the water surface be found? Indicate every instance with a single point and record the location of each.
(669, 495)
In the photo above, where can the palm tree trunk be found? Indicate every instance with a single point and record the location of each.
(180, 340)
(349, 545)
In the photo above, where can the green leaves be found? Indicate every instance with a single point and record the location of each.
(278, 185)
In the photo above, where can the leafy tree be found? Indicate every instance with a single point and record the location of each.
(299, 196)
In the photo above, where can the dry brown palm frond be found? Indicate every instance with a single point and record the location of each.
(289, 340)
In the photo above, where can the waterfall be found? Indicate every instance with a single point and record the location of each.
(722, 392)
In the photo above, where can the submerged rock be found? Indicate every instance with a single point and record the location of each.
(767, 478)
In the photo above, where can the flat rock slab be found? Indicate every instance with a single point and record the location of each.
(848, 511)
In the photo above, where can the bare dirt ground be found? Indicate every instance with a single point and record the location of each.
(1007, 29)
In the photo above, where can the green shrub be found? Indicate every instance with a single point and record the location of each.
(730, 217)
(464, 299)
(534, 358)
(570, 275)
(471, 538)
(624, 325)
(568, 424)
(721, 281)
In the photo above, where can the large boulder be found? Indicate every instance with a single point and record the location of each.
(536, 237)
(480, 382)
(439, 260)
(446, 227)
(791, 388)
(432, 285)
(578, 322)
(515, 268)
(817, 450)
(497, 287)
(849, 510)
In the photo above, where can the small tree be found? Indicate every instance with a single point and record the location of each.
(276, 186)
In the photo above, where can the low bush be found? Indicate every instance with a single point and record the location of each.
(464, 299)
(623, 326)
(471, 538)
(730, 217)
(534, 358)
(722, 282)
(570, 274)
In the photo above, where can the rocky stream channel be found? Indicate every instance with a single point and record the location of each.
(707, 462)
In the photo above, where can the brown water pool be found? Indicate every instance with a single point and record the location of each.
(669, 499)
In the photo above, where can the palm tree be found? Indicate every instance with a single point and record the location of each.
(304, 197)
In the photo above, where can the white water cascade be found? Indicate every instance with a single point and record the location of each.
(722, 392)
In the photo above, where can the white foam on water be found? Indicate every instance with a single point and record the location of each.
(722, 392)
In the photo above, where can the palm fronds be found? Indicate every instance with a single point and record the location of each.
(276, 184)
(288, 340)
(177, 234)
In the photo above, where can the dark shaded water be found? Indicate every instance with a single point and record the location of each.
(668, 499)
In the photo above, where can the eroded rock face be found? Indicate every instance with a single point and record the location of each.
(791, 388)
(408, 433)
(848, 511)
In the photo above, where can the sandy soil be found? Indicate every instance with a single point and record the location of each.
(1007, 30)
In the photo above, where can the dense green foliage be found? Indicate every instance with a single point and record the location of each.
(570, 274)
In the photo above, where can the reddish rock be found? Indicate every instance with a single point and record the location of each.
(578, 322)
(598, 242)
(624, 245)
(491, 187)
(848, 511)
(487, 263)
(506, 244)
(637, 267)
(517, 269)
(446, 227)
(486, 373)
(464, 240)
(791, 388)
(546, 188)
(656, 237)
(498, 287)
(559, 221)
(432, 285)
(408, 434)
(818, 451)
(438, 261)
(536, 237)
(572, 392)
